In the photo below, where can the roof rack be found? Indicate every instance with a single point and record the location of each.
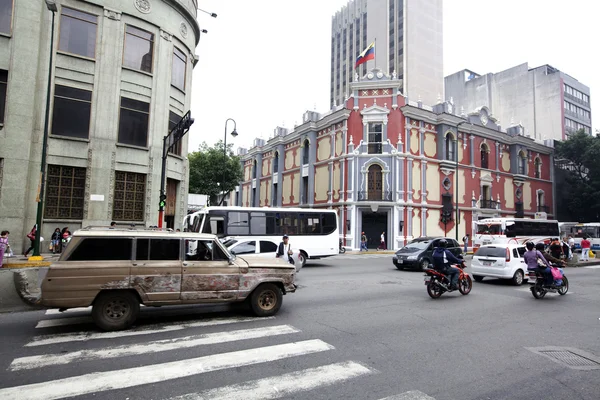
(131, 228)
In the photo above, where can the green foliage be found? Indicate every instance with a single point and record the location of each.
(208, 168)
(578, 186)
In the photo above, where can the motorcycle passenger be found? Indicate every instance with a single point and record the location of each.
(540, 247)
(442, 260)
(537, 262)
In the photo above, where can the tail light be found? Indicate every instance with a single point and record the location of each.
(507, 254)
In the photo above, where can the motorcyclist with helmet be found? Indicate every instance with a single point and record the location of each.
(442, 260)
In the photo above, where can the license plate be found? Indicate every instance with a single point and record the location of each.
(426, 278)
(488, 263)
(400, 261)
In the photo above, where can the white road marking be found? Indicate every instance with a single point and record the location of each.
(284, 385)
(187, 342)
(68, 310)
(593, 267)
(51, 323)
(412, 395)
(148, 374)
(143, 330)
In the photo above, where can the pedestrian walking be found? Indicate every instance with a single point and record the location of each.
(466, 243)
(4, 246)
(382, 242)
(65, 238)
(31, 237)
(586, 245)
(56, 237)
(363, 242)
(285, 249)
(566, 249)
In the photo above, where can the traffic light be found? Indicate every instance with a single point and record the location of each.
(163, 199)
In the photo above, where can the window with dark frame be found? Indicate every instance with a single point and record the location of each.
(306, 152)
(450, 153)
(538, 168)
(78, 32)
(522, 164)
(3, 86)
(71, 112)
(276, 163)
(133, 122)
(174, 120)
(65, 192)
(485, 156)
(6, 12)
(102, 249)
(157, 249)
(179, 69)
(375, 131)
(139, 48)
(130, 189)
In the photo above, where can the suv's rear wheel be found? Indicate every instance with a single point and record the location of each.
(116, 310)
(266, 300)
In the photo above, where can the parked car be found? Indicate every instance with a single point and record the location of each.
(116, 270)
(257, 247)
(504, 261)
(418, 254)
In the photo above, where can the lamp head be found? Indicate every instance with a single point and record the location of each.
(51, 4)
(234, 133)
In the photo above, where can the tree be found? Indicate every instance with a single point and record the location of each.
(577, 178)
(208, 167)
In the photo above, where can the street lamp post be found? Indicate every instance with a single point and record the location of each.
(234, 134)
(456, 184)
(51, 4)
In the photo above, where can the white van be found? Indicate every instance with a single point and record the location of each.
(257, 246)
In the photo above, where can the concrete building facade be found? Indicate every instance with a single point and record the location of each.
(409, 41)
(121, 78)
(547, 102)
(389, 164)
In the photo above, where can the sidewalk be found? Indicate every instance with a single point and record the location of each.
(21, 262)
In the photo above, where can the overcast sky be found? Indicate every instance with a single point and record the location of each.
(263, 63)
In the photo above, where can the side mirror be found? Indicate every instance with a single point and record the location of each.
(232, 252)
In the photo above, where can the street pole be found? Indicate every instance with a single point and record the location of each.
(234, 134)
(40, 198)
(163, 195)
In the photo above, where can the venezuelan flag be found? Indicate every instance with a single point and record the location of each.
(366, 55)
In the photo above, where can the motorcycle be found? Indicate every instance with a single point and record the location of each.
(342, 248)
(539, 288)
(438, 283)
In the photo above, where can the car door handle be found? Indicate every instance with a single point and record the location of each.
(185, 264)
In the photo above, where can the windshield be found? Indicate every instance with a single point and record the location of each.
(489, 229)
(420, 245)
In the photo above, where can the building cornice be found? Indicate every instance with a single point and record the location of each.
(177, 4)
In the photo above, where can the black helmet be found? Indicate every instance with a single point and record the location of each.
(540, 246)
(529, 246)
(442, 243)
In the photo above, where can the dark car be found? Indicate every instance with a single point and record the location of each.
(418, 254)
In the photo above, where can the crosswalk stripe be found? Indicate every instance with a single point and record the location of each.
(412, 395)
(187, 342)
(284, 385)
(125, 378)
(143, 330)
(51, 323)
(54, 311)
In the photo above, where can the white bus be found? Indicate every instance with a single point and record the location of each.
(514, 230)
(313, 232)
(590, 230)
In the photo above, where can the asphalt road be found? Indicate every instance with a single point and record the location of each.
(357, 328)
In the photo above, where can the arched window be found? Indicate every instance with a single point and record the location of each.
(485, 154)
(522, 163)
(450, 147)
(276, 163)
(538, 167)
(375, 182)
(305, 153)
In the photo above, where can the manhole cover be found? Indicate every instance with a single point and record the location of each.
(569, 357)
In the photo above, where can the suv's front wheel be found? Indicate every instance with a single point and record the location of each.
(116, 310)
(266, 300)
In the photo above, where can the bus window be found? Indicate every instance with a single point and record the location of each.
(288, 224)
(238, 223)
(310, 224)
(484, 229)
(329, 223)
(214, 225)
(258, 224)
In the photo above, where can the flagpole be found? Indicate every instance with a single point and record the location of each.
(375, 52)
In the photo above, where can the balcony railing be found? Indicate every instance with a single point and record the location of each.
(490, 204)
(375, 196)
(545, 209)
(575, 99)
